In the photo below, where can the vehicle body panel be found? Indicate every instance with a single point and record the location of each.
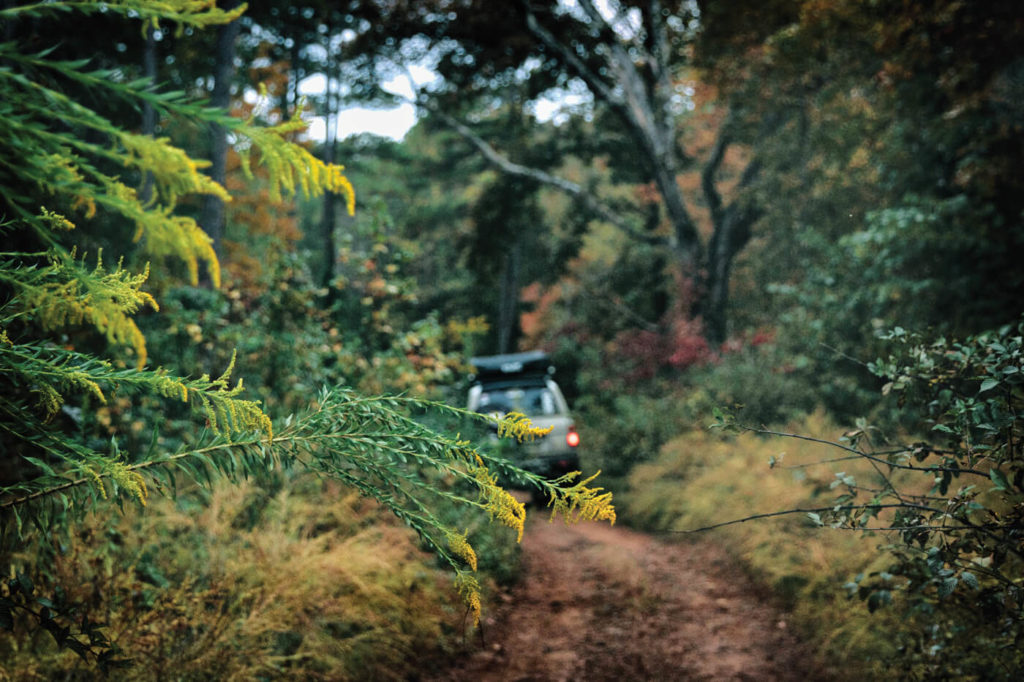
(521, 382)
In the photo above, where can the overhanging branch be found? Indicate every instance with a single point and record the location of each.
(506, 165)
(812, 510)
(572, 60)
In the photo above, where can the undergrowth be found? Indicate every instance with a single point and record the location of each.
(702, 478)
(289, 578)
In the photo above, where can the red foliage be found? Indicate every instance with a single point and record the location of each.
(644, 352)
(762, 337)
(689, 347)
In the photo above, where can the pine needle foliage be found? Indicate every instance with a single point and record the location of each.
(68, 169)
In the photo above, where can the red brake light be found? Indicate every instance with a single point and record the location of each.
(572, 439)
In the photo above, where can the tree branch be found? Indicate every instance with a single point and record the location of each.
(572, 60)
(863, 454)
(707, 176)
(609, 301)
(506, 165)
(814, 510)
(641, 108)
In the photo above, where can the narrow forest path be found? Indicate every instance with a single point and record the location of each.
(608, 603)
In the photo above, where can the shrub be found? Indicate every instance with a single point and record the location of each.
(701, 478)
(947, 507)
(294, 578)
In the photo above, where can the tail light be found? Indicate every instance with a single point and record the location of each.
(572, 439)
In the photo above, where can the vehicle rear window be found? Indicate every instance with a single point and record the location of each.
(535, 401)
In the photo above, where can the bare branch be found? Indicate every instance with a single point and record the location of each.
(714, 163)
(572, 60)
(651, 126)
(609, 301)
(865, 455)
(814, 510)
(506, 165)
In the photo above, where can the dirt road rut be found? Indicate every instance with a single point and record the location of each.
(602, 603)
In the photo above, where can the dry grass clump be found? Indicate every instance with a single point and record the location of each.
(702, 478)
(295, 579)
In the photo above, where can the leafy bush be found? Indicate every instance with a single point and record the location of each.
(626, 423)
(700, 478)
(294, 578)
(947, 507)
(626, 429)
(758, 380)
(959, 559)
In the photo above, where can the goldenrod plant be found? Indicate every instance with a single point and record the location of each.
(69, 343)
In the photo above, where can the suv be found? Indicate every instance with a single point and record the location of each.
(521, 382)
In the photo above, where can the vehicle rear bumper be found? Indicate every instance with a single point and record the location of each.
(551, 466)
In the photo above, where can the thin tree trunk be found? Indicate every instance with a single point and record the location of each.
(328, 223)
(292, 90)
(149, 55)
(508, 298)
(212, 217)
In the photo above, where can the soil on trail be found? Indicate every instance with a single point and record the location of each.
(603, 603)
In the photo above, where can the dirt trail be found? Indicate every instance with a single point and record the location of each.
(602, 603)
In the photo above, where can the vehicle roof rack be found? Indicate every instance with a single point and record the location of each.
(490, 368)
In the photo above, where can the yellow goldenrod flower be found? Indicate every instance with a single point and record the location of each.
(517, 425)
(461, 548)
(469, 589)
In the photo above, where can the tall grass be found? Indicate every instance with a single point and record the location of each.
(288, 579)
(702, 478)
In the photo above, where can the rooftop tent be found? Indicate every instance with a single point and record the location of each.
(493, 369)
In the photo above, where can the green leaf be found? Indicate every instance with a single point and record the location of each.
(999, 479)
(25, 583)
(879, 599)
(947, 586)
(988, 384)
(41, 464)
(78, 648)
(970, 580)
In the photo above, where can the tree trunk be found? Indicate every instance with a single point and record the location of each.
(212, 217)
(149, 56)
(291, 93)
(508, 298)
(729, 237)
(635, 82)
(328, 224)
(328, 221)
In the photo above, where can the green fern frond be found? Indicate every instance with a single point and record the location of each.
(375, 445)
(371, 444)
(58, 373)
